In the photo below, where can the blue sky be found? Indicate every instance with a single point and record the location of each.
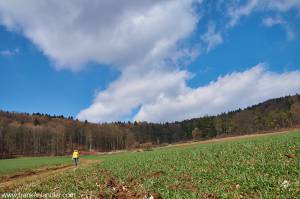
(106, 67)
(29, 82)
(248, 44)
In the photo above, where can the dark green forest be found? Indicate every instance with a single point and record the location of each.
(37, 134)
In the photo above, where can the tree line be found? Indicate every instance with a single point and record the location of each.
(41, 134)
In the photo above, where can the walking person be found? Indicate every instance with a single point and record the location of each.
(75, 157)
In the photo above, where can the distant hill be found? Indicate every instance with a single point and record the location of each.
(40, 134)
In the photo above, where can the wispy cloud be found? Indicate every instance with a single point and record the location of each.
(211, 38)
(236, 10)
(9, 52)
(273, 21)
(269, 21)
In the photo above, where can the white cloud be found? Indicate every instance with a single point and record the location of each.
(269, 21)
(272, 21)
(10, 52)
(165, 96)
(236, 90)
(290, 33)
(283, 5)
(237, 11)
(132, 90)
(211, 37)
(75, 32)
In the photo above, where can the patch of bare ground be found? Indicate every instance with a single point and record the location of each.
(10, 182)
(208, 196)
(115, 189)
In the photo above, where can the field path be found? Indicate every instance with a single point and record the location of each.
(12, 181)
(239, 137)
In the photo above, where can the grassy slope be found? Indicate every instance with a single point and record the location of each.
(254, 167)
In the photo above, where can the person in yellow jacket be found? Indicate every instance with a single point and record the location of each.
(75, 157)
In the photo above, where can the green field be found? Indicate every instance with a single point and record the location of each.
(8, 166)
(11, 166)
(258, 167)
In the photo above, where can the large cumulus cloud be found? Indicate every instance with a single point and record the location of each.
(75, 32)
(230, 92)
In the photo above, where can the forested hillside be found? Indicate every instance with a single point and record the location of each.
(39, 134)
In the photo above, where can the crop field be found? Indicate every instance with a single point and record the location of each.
(257, 167)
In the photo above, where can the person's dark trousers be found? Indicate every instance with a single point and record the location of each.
(76, 161)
